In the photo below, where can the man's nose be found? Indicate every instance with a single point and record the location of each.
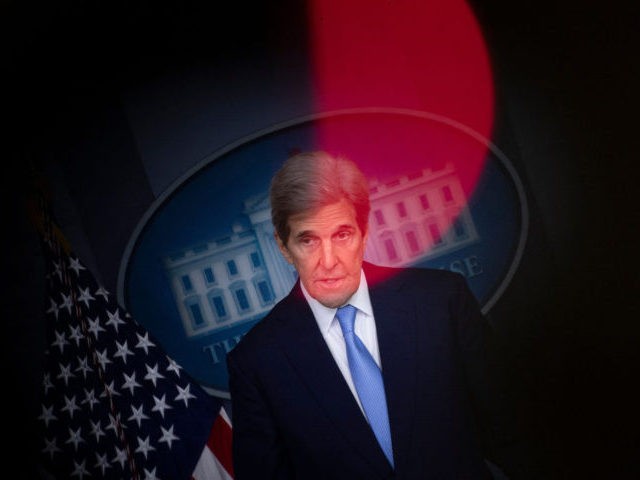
(328, 257)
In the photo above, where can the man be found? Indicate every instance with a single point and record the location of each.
(298, 408)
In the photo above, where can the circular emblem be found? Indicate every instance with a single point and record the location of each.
(202, 266)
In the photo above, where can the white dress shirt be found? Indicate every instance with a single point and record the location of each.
(365, 328)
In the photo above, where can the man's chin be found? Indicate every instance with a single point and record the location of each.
(333, 295)
(332, 300)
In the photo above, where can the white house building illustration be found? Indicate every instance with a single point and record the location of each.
(418, 216)
(238, 278)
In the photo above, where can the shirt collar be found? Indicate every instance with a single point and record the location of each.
(324, 315)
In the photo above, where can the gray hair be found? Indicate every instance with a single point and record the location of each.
(310, 180)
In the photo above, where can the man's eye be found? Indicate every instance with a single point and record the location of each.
(344, 235)
(307, 241)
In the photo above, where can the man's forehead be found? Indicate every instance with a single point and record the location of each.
(331, 215)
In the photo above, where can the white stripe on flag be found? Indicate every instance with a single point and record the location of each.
(216, 452)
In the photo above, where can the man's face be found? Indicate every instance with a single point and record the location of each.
(327, 248)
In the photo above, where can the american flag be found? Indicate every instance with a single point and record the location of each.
(215, 461)
(114, 404)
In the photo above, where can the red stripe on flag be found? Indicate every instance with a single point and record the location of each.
(220, 442)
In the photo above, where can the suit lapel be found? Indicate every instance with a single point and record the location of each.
(310, 356)
(395, 326)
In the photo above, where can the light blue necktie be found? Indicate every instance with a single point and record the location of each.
(367, 378)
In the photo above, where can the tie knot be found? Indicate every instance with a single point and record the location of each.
(347, 317)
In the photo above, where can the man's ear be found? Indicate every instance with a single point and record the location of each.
(365, 237)
(283, 248)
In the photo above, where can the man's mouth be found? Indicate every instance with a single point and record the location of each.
(329, 281)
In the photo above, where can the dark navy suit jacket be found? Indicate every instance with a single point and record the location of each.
(294, 417)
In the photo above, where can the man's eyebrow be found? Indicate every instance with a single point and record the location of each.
(345, 226)
(312, 233)
(304, 233)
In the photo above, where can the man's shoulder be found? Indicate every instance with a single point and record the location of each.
(265, 333)
(404, 277)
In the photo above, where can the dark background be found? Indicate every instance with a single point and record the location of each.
(567, 95)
